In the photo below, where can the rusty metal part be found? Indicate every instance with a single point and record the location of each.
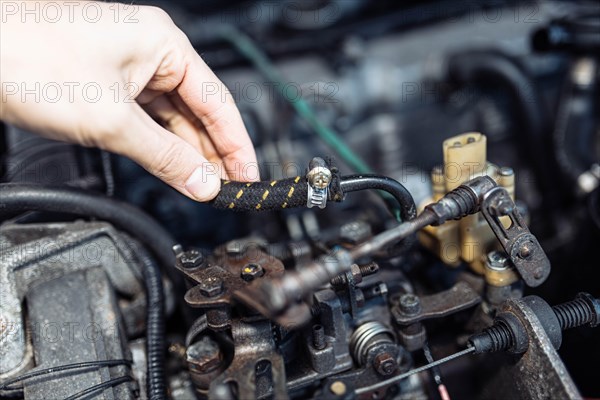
(460, 297)
(539, 373)
(385, 364)
(522, 247)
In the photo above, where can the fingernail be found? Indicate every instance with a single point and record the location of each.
(203, 186)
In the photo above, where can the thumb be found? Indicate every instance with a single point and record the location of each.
(166, 156)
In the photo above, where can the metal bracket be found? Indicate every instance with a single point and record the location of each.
(519, 243)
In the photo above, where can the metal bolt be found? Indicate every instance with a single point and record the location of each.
(191, 259)
(319, 337)
(338, 388)
(204, 355)
(410, 304)
(252, 271)
(497, 260)
(525, 250)
(211, 286)
(385, 364)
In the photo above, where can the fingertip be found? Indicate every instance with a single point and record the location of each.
(203, 184)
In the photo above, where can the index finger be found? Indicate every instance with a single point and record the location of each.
(212, 103)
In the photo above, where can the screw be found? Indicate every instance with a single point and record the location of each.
(251, 272)
(319, 337)
(211, 286)
(410, 304)
(385, 364)
(191, 259)
(319, 175)
(204, 355)
(338, 388)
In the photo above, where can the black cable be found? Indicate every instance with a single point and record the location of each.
(22, 197)
(66, 367)
(100, 387)
(353, 183)
(155, 327)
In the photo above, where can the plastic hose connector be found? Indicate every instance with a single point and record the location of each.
(262, 196)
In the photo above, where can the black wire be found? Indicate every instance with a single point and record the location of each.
(101, 386)
(353, 183)
(67, 367)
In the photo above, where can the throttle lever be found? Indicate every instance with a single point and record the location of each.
(518, 242)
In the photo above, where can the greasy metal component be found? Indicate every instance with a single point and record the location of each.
(221, 276)
(191, 259)
(385, 364)
(499, 270)
(539, 373)
(257, 369)
(272, 298)
(318, 178)
(366, 336)
(36, 253)
(319, 337)
(252, 271)
(522, 247)
(460, 297)
(205, 362)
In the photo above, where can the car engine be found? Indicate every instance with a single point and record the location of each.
(424, 226)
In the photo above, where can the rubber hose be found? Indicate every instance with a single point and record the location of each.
(353, 183)
(262, 196)
(24, 197)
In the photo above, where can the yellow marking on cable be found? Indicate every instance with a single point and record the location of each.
(297, 179)
(258, 206)
(273, 183)
(284, 205)
(249, 184)
(240, 193)
(231, 205)
(291, 192)
(226, 182)
(265, 195)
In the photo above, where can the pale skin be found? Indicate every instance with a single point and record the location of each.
(150, 106)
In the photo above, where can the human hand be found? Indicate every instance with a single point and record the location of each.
(104, 78)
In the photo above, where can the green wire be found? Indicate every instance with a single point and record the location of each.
(250, 50)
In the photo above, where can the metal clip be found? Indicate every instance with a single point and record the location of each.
(319, 178)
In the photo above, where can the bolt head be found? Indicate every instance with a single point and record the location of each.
(211, 286)
(204, 355)
(497, 260)
(410, 304)
(191, 259)
(504, 207)
(385, 364)
(252, 271)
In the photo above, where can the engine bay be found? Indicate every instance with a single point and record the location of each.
(424, 226)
